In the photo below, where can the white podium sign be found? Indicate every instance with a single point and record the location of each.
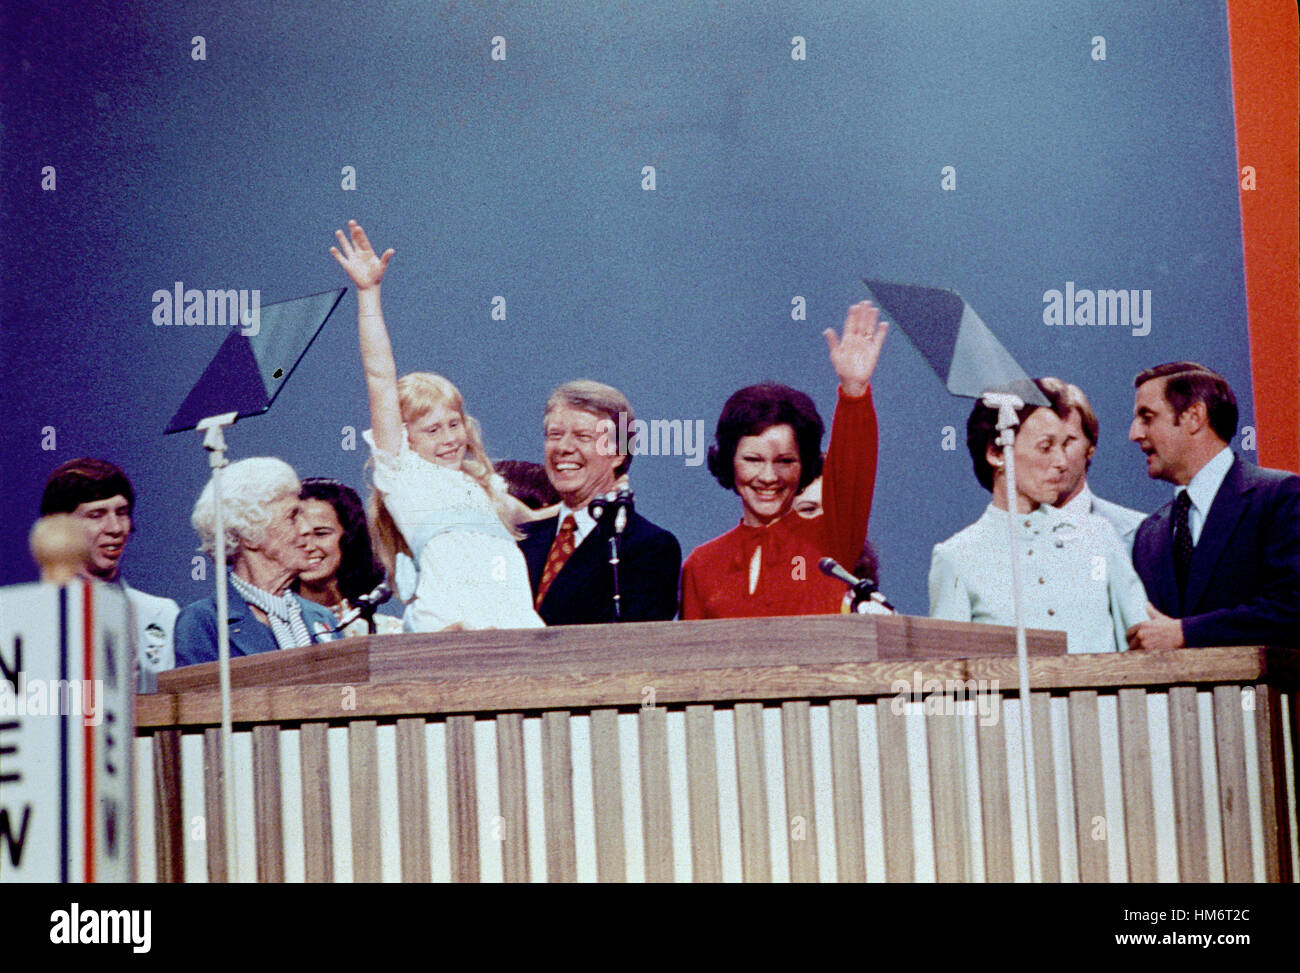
(67, 696)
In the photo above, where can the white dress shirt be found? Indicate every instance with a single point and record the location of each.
(584, 523)
(1203, 489)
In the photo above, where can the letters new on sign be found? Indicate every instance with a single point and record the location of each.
(67, 728)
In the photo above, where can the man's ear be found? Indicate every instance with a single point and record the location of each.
(1195, 418)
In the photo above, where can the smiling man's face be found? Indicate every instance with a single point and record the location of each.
(579, 460)
(108, 526)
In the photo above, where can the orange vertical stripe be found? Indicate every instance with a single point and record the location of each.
(1263, 37)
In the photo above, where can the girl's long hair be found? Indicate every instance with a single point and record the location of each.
(417, 395)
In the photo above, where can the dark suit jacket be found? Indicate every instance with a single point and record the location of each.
(1243, 587)
(650, 561)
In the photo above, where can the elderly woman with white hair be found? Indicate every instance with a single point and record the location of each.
(266, 550)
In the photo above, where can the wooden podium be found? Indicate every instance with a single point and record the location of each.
(857, 748)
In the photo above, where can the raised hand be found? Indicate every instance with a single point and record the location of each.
(854, 355)
(358, 257)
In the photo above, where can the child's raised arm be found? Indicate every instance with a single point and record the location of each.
(358, 258)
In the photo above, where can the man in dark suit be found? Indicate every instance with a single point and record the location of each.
(568, 555)
(1221, 561)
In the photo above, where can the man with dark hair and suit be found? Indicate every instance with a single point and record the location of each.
(100, 497)
(1221, 561)
(568, 555)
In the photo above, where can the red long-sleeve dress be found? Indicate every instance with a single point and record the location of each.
(715, 578)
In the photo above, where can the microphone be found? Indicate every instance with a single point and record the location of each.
(365, 605)
(611, 510)
(618, 504)
(864, 589)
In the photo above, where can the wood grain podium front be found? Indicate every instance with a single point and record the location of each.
(802, 749)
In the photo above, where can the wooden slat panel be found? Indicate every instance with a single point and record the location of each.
(413, 801)
(895, 793)
(751, 786)
(947, 796)
(995, 801)
(267, 809)
(169, 822)
(1234, 805)
(1185, 762)
(317, 817)
(214, 806)
(363, 776)
(462, 799)
(702, 792)
(846, 790)
(512, 794)
(1269, 743)
(557, 798)
(1139, 806)
(1089, 790)
(656, 795)
(1044, 770)
(800, 807)
(607, 796)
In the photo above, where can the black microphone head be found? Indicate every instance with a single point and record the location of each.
(381, 593)
(597, 508)
(828, 564)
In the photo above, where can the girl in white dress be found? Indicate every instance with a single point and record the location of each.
(443, 522)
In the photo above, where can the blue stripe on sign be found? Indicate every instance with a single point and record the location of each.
(63, 738)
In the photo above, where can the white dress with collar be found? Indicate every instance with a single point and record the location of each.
(468, 569)
(1076, 575)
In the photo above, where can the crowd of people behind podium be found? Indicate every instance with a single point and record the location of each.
(466, 543)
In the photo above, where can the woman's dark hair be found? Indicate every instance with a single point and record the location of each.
(756, 408)
(527, 482)
(982, 427)
(359, 572)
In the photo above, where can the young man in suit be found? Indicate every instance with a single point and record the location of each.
(1221, 561)
(1077, 497)
(100, 497)
(568, 555)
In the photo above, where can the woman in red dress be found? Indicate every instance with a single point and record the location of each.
(767, 448)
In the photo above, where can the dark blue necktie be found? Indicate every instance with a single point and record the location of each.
(1182, 541)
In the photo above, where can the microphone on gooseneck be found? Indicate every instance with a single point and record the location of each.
(617, 505)
(623, 509)
(612, 510)
(864, 589)
(365, 606)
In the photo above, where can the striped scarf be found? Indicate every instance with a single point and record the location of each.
(283, 611)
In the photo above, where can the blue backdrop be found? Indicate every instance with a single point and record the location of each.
(775, 177)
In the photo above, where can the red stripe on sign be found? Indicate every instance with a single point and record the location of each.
(88, 672)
